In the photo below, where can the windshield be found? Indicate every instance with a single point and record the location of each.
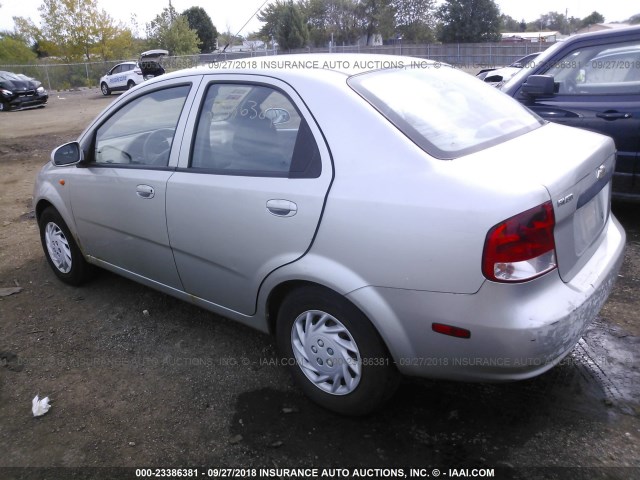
(446, 112)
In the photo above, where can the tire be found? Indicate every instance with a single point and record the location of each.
(130, 84)
(105, 89)
(61, 250)
(364, 375)
(4, 107)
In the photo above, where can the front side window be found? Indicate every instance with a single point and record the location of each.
(253, 130)
(445, 112)
(600, 69)
(142, 131)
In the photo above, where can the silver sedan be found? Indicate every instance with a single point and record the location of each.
(379, 215)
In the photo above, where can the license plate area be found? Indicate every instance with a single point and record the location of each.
(590, 219)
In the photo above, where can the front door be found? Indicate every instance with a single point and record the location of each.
(118, 197)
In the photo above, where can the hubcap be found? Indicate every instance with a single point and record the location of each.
(326, 352)
(58, 247)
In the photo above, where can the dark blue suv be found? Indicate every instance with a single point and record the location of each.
(591, 81)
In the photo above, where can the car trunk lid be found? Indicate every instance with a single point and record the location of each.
(575, 170)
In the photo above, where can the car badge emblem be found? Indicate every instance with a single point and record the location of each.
(564, 200)
(601, 171)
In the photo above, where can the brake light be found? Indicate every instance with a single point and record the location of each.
(521, 247)
(137, 71)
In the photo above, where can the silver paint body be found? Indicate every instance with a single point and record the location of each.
(397, 232)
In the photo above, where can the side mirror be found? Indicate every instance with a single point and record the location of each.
(539, 86)
(67, 154)
(277, 115)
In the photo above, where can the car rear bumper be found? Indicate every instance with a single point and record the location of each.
(517, 330)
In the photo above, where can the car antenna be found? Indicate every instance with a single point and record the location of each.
(241, 28)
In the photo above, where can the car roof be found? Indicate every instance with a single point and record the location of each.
(300, 65)
(605, 33)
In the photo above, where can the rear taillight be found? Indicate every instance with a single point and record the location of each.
(521, 247)
(137, 71)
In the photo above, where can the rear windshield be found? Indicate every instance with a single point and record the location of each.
(446, 112)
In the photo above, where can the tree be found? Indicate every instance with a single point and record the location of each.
(415, 19)
(469, 21)
(292, 30)
(510, 24)
(285, 22)
(331, 19)
(270, 16)
(552, 21)
(112, 41)
(376, 16)
(199, 21)
(592, 19)
(75, 29)
(14, 49)
(634, 20)
(171, 32)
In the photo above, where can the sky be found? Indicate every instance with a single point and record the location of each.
(232, 14)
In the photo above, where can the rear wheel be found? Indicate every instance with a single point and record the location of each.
(130, 84)
(335, 354)
(61, 250)
(105, 89)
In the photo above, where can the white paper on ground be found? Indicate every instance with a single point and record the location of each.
(40, 406)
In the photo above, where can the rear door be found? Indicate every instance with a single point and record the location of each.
(250, 192)
(598, 86)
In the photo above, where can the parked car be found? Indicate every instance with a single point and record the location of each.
(19, 91)
(413, 224)
(127, 75)
(498, 76)
(151, 63)
(592, 81)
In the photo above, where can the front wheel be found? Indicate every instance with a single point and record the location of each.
(61, 250)
(4, 107)
(105, 89)
(335, 354)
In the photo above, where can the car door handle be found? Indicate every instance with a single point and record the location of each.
(282, 208)
(145, 191)
(613, 115)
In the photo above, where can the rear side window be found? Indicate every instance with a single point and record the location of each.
(253, 130)
(445, 112)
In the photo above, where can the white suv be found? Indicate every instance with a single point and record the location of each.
(127, 75)
(121, 77)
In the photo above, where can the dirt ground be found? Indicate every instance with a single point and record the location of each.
(139, 379)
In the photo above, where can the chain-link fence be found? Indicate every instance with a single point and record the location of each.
(63, 76)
